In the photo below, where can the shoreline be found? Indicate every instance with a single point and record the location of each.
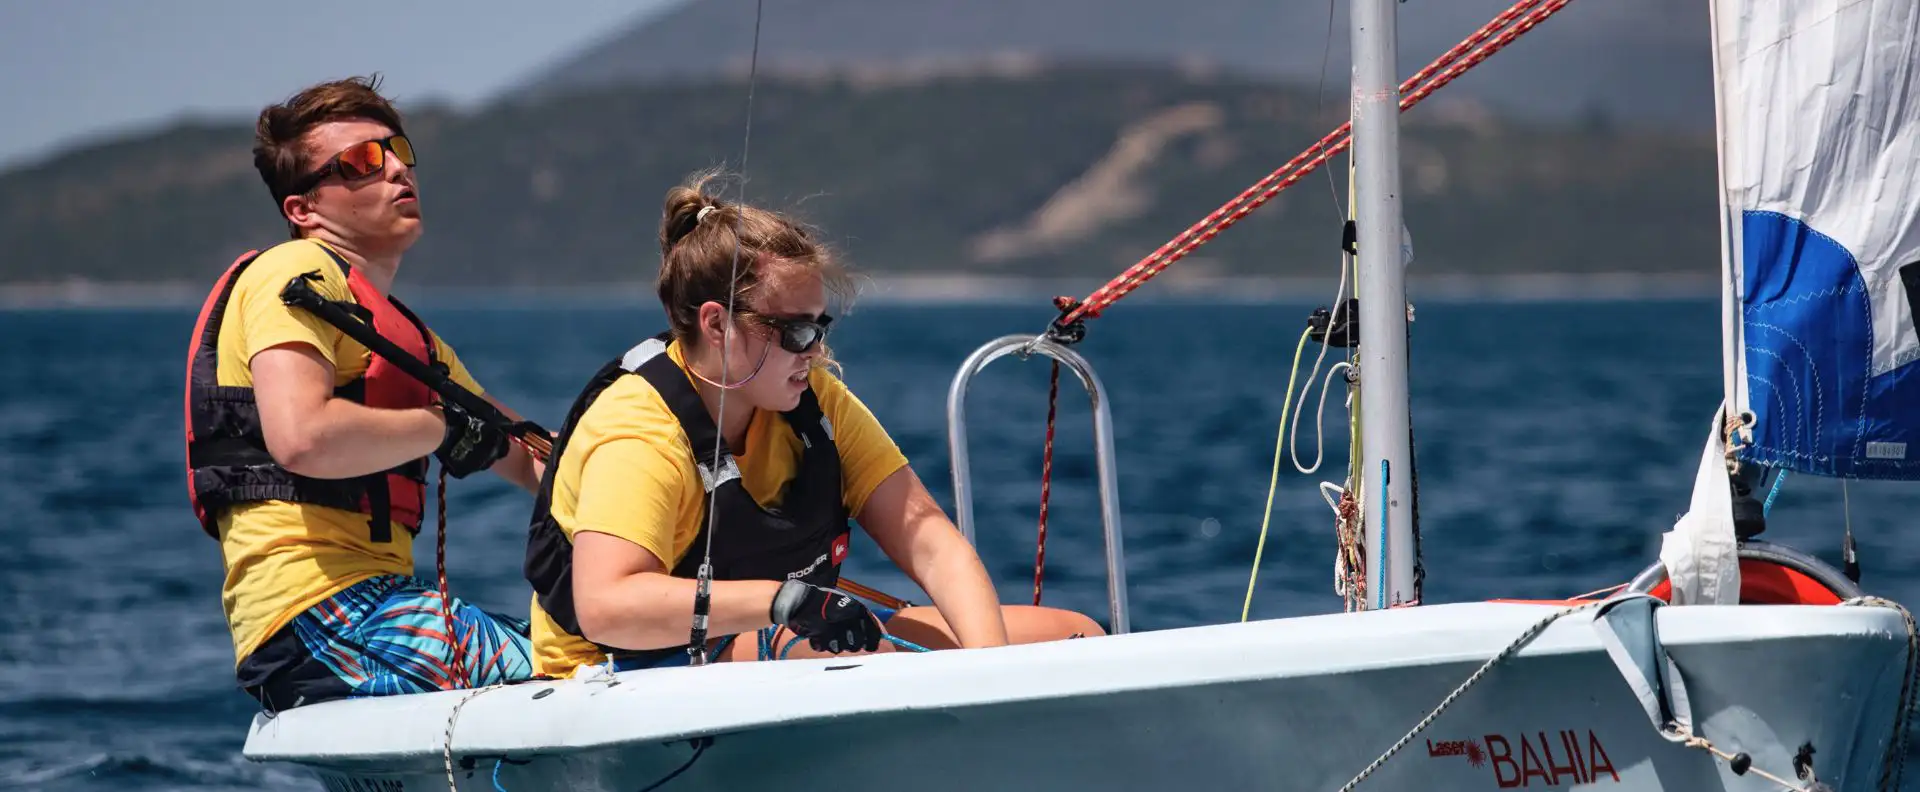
(957, 289)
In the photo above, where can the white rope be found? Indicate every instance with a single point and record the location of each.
(1331, 493)
(446, 747)
(1320, 413)
(1742, 763)
(1319, 432)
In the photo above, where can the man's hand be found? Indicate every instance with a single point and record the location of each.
(470, 444)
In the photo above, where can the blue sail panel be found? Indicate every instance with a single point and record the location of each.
(1818, 406)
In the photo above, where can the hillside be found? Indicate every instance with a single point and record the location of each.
(1051, 172)
(1644, 62)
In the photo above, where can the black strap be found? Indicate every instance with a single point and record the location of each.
(670, 381)
(379, 494)
(380, 506)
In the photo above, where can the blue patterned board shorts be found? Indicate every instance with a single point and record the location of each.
(385, 636)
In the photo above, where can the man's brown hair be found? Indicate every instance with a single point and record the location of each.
(279, 150)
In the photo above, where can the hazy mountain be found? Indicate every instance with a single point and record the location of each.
(1637, 61)
(1053, 172)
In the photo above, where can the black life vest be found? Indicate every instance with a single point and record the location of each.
(806, 538)
(227, 458)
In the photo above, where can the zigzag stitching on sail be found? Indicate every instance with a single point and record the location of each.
(1904, 358)
(1799, 395)
(1838, 291)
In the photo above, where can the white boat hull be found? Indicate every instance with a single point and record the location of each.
(1301, 703)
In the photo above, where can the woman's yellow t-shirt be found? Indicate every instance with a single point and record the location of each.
(628, 472)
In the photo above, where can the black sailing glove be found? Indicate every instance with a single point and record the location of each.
(832, 620)
(471, 444)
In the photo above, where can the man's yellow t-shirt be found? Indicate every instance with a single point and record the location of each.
(642, 485)
(281, 557)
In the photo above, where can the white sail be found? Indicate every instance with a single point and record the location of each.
(1820, 144)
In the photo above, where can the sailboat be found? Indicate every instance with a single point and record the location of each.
(1727, 663)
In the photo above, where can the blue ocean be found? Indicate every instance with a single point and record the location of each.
(1555, 442)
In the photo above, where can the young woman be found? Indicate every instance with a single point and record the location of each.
(731, 436)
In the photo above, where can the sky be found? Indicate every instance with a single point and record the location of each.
(75, 70)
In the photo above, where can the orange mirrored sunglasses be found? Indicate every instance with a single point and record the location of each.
(357, 161)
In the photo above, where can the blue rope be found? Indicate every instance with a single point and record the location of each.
(906, 644)
(720, 646)
(496, 777)
(893, 639)
(1380, 597)
(766, 642)
(1778, 479)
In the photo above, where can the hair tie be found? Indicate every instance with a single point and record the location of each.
(702, 216)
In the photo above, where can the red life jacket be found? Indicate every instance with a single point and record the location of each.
(227, 458)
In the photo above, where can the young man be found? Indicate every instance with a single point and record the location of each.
(308, 454)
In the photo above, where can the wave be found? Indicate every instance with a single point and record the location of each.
(152, 772)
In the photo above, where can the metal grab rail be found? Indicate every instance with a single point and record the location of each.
(1103, 439)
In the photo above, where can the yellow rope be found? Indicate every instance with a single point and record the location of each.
(1273, 484)
(1279, 440)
